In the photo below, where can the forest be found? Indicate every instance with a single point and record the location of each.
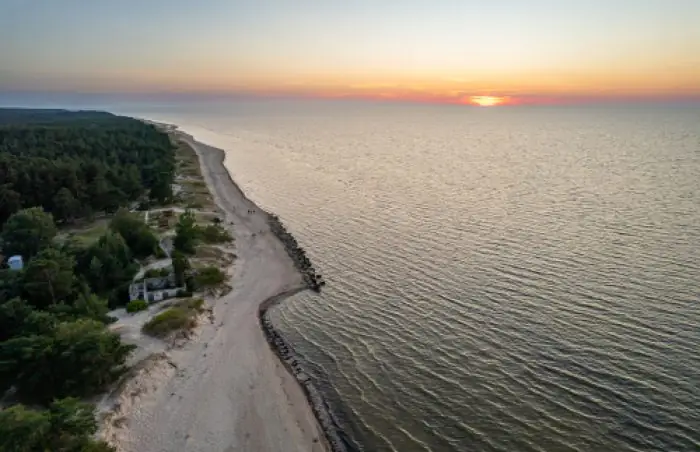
(57, 168)
(76, 164)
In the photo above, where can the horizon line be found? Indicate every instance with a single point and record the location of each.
(507, 100)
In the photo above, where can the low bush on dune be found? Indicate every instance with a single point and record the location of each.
(194, 304)
(214, 233)
(181, 317)
(173, 319)
(136, 306)
(209, 277)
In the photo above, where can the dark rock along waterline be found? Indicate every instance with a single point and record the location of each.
(284, 350)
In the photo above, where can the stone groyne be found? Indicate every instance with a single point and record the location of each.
(286, 354)
(313, 280)
(284, 350)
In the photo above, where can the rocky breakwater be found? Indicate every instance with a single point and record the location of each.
(318, 405)
(313, 280)
(284, 350)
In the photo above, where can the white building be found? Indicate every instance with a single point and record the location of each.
(154, 289)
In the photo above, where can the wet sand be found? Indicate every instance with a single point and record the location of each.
(224, 390)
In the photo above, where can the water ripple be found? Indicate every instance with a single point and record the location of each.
(517, 280)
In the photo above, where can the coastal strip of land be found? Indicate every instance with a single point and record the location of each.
(225, 389)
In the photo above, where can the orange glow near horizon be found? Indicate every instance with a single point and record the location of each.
(484, 90)
(487, 101)
(517, 52)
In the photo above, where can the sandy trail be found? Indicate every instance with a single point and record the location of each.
(225, 390)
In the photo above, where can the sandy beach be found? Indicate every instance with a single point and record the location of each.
(225, 389)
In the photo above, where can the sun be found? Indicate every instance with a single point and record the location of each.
(487, 101)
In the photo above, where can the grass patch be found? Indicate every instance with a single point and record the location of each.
(194, 204)
(168, 321)
(196, 304)
(162, 221)
(209, 277)
(196, 187)
(209, 253)
(86, 234)
(213, 233)
(212, 255)
(189, 170)
(181, 317)
(185, 155)
(195, 193)
(205, 217)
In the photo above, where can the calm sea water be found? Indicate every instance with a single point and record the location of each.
(507, 279)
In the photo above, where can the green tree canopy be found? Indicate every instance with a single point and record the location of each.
(78, 358)
(24, 430)
(65, 206)
(10, 284)
(49, 277)
(180, 267)
(186, 233)
(27, 231)
(91, 306)
(10, 201)
(66, 426)
(136, 233)
(17, 317)
(104, 161)
(107, 264)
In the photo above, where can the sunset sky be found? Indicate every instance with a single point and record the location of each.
(433, 50)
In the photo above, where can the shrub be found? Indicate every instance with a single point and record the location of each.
(214, 233)
(170, 320)
(184, 293)
(209, 277)
(136, 306)
(195, 304)
(178, 318)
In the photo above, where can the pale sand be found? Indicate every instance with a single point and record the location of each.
(224, 390)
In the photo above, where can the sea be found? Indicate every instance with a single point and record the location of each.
(499, 279)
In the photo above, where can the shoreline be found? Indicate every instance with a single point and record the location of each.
(285, 353)
(312, 281)
(229, 387)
